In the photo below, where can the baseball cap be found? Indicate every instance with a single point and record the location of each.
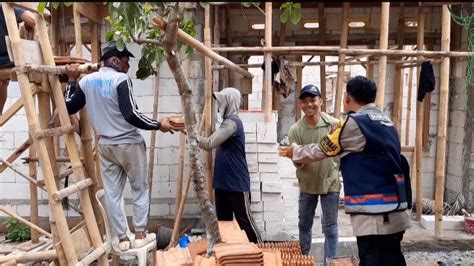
(111, 50)
(309, 90)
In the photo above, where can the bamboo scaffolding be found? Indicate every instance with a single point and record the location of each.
(151, 154)
(73, 152)
(187, 39)
(322, 58)
(348, 51)
(442, 123)
(409, 103)
(267, 100)
(33, 197)
(299, 85)
(398, 78)
(382, 66)
(419, 120)
(208, 96)
(342, 58)
(29, 257)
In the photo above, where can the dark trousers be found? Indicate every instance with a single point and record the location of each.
(229, 203)
(384, 250)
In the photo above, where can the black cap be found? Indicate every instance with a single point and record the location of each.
(309, 90)
(111, 50)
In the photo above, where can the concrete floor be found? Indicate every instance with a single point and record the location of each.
(416, 239)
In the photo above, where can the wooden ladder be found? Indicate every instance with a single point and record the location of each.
(65, 241)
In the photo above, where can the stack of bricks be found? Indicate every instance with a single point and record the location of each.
(265, 183)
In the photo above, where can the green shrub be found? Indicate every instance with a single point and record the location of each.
(16, 230)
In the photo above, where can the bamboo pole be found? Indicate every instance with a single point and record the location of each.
(30, 257)
(70, 142)
(442, 123)
(382, 66)
(187, 39)
(322, 58)
(369, 65)
(77, 30)
(409, 103)
(336, 49)
(299, 85)
(267, 103)
(342, 58)
(179, 188)
(398, 77)
(151, 154)
(419, 119)
(33, 197)
(208, 96)
(24, 221)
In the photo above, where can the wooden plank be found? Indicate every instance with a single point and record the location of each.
(442, 123)
(342, 58)
(382, 71)
(88, 10)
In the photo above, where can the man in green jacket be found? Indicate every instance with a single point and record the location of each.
(319, 180)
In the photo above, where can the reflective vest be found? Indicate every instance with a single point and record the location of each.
(373, 179)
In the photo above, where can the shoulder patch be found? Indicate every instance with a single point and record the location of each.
(329, 145)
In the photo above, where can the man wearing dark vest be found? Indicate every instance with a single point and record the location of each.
(371, 165)
(231, 179)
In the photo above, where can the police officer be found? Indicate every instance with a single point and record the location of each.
(375, 188)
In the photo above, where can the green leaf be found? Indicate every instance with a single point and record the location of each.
(109, 36)
(120, 44)
(285, 15)
(246, 4)
(203, 5)
(41, 6)
(284, 5)
(295, 16)
(67, 4)
(297, 5)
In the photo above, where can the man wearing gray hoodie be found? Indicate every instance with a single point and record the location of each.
(231, 180)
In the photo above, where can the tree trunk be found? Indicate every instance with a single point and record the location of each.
(207, 209)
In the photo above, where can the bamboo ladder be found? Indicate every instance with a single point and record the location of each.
(67, 244)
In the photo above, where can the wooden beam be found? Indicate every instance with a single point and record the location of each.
(409, 103)
(24, 221)
(419, 120)
(442, 122)
(187, 39)
(267, 104)
(382, 66)
(342, 58)
(322, 58)
(398, 77)
(32, 7)
(335, 49)
(88, 10)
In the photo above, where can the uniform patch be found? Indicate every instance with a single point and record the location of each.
(329, 145)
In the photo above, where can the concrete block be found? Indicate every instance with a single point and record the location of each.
(258, 217)
(167, 155)
(14, 191)
(267, 167)
(269, 177)
(254, 177)
(250, 127)
(272, 216)
(8, 176)
(271, 197)
(8, 141)
(268, 158)
(291, 211)
(256, 207)
(271, 187)
(250, 137)
(252, 166)
(251, 157)
(165, 71)
(287, 172)
(161, 173)
(255, 186)
(456, 135)
(250, 148)
(290, 202)
(144, 87)
(171, 104)
(192, 209)
(159, 210)
(267, 137)
(272, 206)
(449, 222)
(292, 192)
(168, 87)
(267, 147)
(255, 196)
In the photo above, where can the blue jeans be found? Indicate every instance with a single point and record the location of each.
(306, 208)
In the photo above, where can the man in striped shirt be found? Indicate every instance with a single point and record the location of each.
(115, 117)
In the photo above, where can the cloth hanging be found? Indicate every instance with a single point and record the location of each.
(285, 79)
(427, 80)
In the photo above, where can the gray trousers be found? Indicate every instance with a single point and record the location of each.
(117, 162)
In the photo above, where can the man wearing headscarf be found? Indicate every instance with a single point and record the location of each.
(231, 179)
